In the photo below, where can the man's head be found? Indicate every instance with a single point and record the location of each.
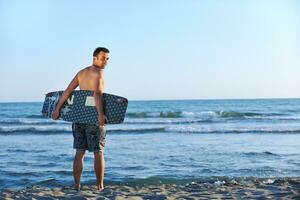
(100, 57)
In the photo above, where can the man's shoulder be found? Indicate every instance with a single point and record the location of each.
(83, 70)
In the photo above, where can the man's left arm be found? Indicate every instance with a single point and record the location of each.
(71, 87)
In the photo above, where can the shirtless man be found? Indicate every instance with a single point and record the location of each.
(86, 136)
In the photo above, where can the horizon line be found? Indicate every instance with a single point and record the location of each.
(191, 99)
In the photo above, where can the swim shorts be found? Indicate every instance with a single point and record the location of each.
(89, 137)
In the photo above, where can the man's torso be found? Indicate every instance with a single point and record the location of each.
(88, 79)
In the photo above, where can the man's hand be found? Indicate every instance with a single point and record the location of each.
(101, 119)
(55, 114)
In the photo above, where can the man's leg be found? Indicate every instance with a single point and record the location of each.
(99, 167)
(78, 167)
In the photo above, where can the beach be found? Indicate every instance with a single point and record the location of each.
(193, 149)
(212, 92)
(235, 189)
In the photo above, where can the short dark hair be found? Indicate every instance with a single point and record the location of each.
(99, 49)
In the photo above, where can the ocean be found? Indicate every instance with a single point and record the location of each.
(159, 141)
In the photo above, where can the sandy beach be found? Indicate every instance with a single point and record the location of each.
(287, 188)
(153, 100)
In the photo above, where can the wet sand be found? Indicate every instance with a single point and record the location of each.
(285, 188)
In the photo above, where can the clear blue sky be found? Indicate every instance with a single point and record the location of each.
(159, 49)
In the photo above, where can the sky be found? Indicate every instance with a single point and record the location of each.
(160, 49)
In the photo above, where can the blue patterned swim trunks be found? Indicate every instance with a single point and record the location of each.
(89, 137)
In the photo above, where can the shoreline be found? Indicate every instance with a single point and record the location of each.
(283, 188)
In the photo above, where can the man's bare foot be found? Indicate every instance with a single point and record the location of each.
(100, 187)
(77, 187)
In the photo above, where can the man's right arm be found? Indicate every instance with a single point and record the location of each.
(98, 97)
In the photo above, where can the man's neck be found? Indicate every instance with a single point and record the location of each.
(95, 68)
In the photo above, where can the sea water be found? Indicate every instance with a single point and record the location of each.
(162, 141)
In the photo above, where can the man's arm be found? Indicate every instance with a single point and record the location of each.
(98, 97)
(71, 87)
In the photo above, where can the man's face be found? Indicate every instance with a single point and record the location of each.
(101, 59)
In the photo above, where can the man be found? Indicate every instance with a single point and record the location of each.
(86, 136)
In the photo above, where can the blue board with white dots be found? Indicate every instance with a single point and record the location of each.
(80, 107)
